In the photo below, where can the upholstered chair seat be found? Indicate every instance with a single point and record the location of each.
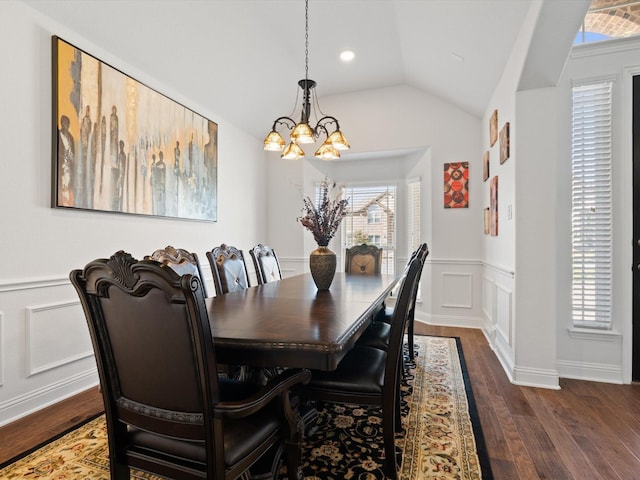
(360, 372)
(376, 335)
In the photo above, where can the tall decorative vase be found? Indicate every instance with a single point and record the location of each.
(322, 263)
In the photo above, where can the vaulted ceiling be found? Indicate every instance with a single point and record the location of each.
(243, 58)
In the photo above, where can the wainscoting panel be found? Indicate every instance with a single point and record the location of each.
(45, 348)
(45, 322)
(1, 349)
(497, 293)
(457, 290)
(451, 293)
(504, 317)
(488, 296)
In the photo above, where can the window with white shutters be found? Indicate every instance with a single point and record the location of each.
(413, 221)
(591, 205)
(413, 214)
(371, 219)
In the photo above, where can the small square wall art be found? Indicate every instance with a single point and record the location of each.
(493, 128)
(487, 221)
(485, 166)
(504, 143)
(456, 185)
(493, 207)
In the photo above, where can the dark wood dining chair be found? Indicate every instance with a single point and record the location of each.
(266, 264)
(229, 269)
(167, 411)
(363, 259)
(371, 376)
(378, 333)
(180, 260)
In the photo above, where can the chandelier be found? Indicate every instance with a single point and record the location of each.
(302, 132)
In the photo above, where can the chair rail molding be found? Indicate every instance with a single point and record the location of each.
(501, 269)
(454, 261)
(32, 283)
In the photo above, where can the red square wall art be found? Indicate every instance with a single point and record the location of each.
(456, 185)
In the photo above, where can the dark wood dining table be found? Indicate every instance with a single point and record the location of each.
(290, 323)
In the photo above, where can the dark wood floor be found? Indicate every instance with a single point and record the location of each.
(584, 431)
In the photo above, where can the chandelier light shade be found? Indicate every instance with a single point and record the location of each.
(303, 132)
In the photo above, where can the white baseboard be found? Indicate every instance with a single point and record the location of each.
(450, 320)
(536, 377)
(594, 372)
(23, 405)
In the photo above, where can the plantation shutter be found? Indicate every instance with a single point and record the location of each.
(413, 214)
(413, 221)
(591, 212)
(371, 219)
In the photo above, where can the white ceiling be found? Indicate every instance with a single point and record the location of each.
(242, 58)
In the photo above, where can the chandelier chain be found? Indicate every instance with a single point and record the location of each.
(306, 40)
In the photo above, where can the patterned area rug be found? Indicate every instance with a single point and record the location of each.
(441, 438)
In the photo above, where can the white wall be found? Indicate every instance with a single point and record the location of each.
(499, 252)
(398, 133)
(470, 279)
(45, 353)
(601, 356)
(519, 276)
(527, 274)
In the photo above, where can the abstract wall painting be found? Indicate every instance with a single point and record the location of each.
(493, 128)
(456, 185)
(493, 207)
(504, 143)
(119, 146)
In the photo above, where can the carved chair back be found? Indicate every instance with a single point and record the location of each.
(363, 259)
(266, 264)
(166, 410)
(228, 268)
(180, 260)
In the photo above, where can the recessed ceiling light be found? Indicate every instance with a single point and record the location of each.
(457, 58)
(347, 56)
